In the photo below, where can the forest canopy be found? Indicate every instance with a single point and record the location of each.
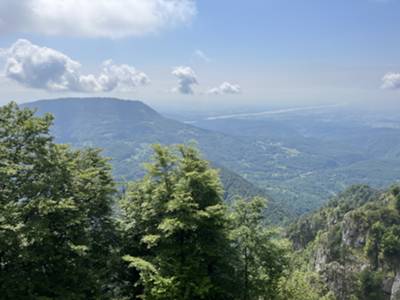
(68, 230)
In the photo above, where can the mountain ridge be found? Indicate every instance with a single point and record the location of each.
(126, 129)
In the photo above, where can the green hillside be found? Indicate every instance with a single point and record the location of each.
(125, 130)
(329, 149)
(71, 233)
(298, 159)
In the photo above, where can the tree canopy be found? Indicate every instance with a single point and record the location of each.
(55, 213)
(68, 231)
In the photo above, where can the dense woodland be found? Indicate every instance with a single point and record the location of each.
(68, 230)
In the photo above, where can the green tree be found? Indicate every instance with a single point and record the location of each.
(262, 259)
(396, 195)
(302, 285)
(391, 244)
(177, 216)
(371, 285)
(373, 245)
(55, 215)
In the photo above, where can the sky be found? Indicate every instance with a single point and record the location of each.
(201, 54)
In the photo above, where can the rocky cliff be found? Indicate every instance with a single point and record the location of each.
(354, 243)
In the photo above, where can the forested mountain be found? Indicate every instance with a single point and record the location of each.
(174, 233)
(298, 158)
(353, 243)
(125, 130)
(277, 212)
(173, 238)
(332, 147)
(254, 154)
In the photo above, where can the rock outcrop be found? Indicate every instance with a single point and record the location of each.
(395, 293)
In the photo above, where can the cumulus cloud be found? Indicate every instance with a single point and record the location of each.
(225, 88)
(45, 68)
(120, 76)
(94, 18)
(391, 81)
(186, 79)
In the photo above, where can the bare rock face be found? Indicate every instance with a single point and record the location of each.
(387, 285)
(396, 287)
(339, 279)
(353, 232)
(320, 259)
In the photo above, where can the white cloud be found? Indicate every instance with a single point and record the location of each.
(45, 68)
(120, 76)
(391, 81)
(94, 18)
(201, 55)
(186, 79)
(225, 88)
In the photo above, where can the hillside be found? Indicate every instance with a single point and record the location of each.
(234, 185)
(298, 158)
(353, 243)
(328, 149)
(127, 129)
(71, 233)
(58, 213)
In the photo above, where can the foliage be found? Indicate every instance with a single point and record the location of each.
(307, 227)
(125, 130)
(300, 161)
(177, 215)
(236, 186)
(262, 259)
(373, 245)
(371, 285)
(396, 194)
(55, 213)
(302, 285)
(391, 244)
(173, 237)
(353, 242)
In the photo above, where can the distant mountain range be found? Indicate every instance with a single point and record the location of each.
(299, 158)
(126, 130)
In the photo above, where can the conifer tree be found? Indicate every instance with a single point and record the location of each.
(177, 215)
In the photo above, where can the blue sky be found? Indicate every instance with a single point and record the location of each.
(255, 52)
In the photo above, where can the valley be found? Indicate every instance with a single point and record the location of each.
(299, 157)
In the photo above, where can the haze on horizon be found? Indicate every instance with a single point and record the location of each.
(203, 55)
